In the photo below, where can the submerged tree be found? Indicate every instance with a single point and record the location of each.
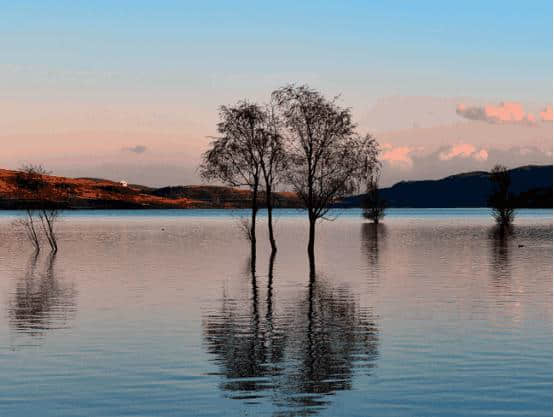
(42, 205)
(327, 159)
(233, 158)
(249, 153)
(372, 204)
(501, 201)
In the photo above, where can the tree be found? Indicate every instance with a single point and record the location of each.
(501, 201)
(372, 203)
(44, 200)
(48, 215)
(327, 158)
(233, 158)
(29, 225)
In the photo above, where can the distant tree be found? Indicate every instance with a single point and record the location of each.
(372, 204)
(500, 200)
(327, 159)
(233, 157)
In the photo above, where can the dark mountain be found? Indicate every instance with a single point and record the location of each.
(531, 186)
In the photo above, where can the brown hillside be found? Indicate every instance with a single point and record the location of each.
(105, 194)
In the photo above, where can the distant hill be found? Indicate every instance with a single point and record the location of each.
(532, 186)
(218, 196)
(96, 193)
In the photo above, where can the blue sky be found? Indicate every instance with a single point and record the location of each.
(165, 57)
(481, 48)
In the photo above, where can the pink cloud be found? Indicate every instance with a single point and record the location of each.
(464, 150)
(482, 155)
(546, 114)
(507, 112)
(399, 156)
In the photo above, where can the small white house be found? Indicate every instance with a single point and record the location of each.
(123, 183)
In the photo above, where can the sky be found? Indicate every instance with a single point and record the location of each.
(130, 89)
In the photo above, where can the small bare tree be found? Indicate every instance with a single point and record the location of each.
(244, 226)
(501, 201)
(372, 204)
(29, 226)
(42, 202)
(29, 184)
(48, 215)
(328, 160)
(234, 158)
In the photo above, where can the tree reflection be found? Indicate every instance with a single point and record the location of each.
(246, 349)
(500, 238)
(297, 357)
(373, 236)
(331, 338)
(40, 301)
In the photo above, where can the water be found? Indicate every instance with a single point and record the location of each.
(149, 313)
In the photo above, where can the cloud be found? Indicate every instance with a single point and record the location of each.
(397, 156)
(482, 155)
(463, 150)
(429, 165)
(507, 112)
(546, 114)
(136, 149)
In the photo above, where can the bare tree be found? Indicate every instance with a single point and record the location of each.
(328, 160)
(501, 201)
(372, 203)
(29, 184)
(234, 158)
(245, 228)
(48, 215)
(43, 203)
(28, 224)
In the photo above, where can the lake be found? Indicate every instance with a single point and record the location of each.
(159, 313)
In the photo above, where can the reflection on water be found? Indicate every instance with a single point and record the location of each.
(421, 316)
(297, 358)
(500, 238)
(41, 302)
(331, 338)
(243, 343)
(373, 238)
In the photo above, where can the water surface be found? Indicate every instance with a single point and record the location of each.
(148, 313)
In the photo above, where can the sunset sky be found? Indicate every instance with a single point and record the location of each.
(130, 89)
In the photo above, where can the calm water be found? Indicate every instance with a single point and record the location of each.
(158, 313)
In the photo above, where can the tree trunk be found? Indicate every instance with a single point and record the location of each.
(253, 223)
(269, 204)
(311, 246)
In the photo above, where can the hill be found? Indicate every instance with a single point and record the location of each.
(94, 193)
(531, 185)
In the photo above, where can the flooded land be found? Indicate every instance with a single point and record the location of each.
(435, 312)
